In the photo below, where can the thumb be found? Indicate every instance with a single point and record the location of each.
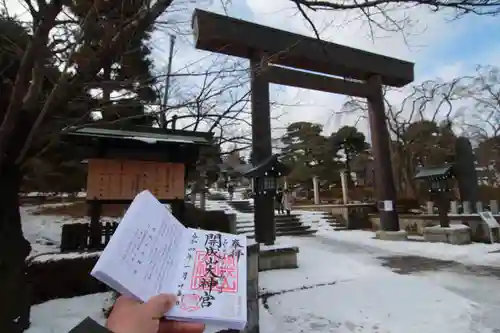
(157, 306)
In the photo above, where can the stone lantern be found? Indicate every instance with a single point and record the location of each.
(439, 180)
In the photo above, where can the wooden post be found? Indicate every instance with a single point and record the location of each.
(95, 209)
(385, 189)
(316, 190)
(261, 148)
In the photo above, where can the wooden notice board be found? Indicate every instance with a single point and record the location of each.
(109, 179)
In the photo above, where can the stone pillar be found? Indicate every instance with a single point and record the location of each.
(479, 206)
(454, 207)
(345, 189)
(430, 207)
(203, 197)
(232, 223)
(316, 190)
(465, 171)
(252, 289)
(261, 148)
(466, 209)
(494, 206)
(385, 191)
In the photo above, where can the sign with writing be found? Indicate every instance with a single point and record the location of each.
(109, 179)
(489, 219)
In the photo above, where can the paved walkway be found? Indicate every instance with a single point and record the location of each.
(478, 283)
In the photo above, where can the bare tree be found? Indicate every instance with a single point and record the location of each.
(58, 39)
(393, 16)
(420, 126)
(482, 92)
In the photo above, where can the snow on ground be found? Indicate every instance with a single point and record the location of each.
(475, 253)
(317, 265)
(478, 289)
(335, 289)
(44, 231)
(331, 291)
(316, 220)
(390, 303)
(61, 315)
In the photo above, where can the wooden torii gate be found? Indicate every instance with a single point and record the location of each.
(358, 73)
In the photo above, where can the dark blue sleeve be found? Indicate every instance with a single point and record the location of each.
(88, 325)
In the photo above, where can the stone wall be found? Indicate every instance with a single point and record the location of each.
(415, 224)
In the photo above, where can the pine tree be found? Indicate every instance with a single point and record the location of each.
(130, 74)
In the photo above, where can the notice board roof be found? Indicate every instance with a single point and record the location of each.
(147, 135)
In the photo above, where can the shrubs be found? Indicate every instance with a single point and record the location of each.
(108, 306)
(62, 275)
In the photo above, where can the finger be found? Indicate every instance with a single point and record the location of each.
(157, 306)
(126, 301)
(171, 326)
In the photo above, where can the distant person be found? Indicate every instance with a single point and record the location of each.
(279, 201)
(230, 190)
(287, 201)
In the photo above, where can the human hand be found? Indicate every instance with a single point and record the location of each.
(131, 316)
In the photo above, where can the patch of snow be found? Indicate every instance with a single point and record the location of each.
(451, 227)
(44, 231)
(476, 253)
(317, 265)
(477, 288)
(347, 292)
(275, 247)
(399, 232)
(45, 257)
(50, 194)
(391, 303)
(61, 315)
(315, 219)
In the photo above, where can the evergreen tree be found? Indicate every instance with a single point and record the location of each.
(308, 154)
(130, 74)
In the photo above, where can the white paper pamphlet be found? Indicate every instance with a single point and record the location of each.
(151, 253)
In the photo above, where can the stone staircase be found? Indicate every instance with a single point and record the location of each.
(285, 226)
(336, 222)
(242, 206)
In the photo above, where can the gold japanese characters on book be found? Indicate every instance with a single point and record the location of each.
(110, 179)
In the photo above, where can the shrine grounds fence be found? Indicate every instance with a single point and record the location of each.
(84, 236)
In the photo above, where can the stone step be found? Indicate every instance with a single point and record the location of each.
(288, 228)
(287, 220)
(250, 218)
(290, 233)
(278, 224)
(282, 216)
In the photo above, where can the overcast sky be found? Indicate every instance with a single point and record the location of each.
(439, 47)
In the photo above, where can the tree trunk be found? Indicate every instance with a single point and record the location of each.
(14, 248)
